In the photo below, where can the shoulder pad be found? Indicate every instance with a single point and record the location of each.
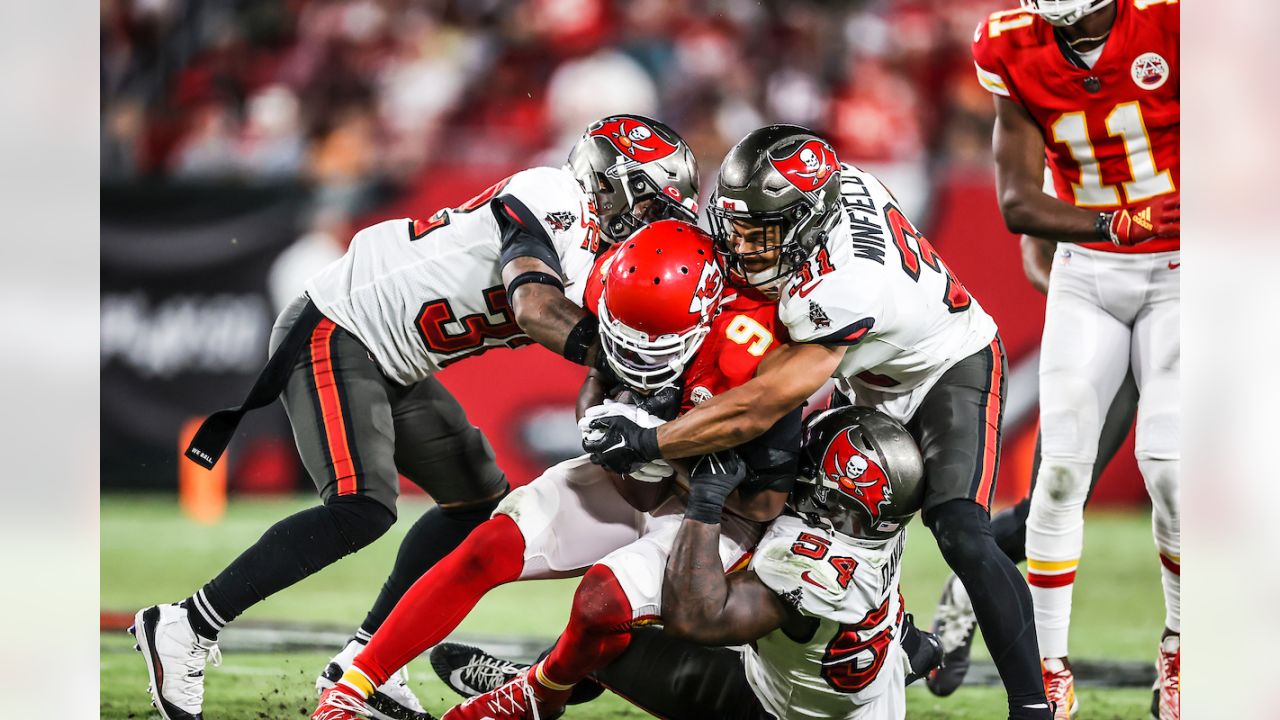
(839, 310)
(546, 190)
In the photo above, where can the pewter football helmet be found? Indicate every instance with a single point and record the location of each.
(623, 160)
(784, 176)
(860, 474)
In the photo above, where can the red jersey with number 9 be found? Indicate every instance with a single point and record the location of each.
(745, 329)
(1111, 131)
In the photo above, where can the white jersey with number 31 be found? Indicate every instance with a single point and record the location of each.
(421, 295)
(879, 289)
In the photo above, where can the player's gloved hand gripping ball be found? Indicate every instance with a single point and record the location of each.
(712, 480)
(620, 437)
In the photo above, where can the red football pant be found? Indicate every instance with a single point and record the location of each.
(599, 629)
(492, 555)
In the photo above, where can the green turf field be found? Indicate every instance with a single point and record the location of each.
(151, 554)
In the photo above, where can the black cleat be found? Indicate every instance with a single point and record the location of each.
(954, 624)
(470, 671)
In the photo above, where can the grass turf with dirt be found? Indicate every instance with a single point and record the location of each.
(151, 554)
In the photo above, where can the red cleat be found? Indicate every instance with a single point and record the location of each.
(340, 703)
(523, 698)
(1060, 687)
(1169, 682)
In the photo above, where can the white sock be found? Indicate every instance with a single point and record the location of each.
(1055, 538)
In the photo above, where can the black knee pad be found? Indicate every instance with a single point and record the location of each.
(963, 531)
(359, 519)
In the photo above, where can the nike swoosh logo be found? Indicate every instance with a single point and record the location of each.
(1175, 265)
(806, 289)
(615, 447)
(455, 679)
(805, 577)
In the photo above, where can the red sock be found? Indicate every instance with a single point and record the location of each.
(599, 630)
(492, 555)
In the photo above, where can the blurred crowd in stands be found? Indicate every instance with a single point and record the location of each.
(350, 95)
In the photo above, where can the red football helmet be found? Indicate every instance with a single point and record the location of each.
(661, 289)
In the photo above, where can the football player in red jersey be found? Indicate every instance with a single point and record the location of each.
(1091, 87)
(663, 324)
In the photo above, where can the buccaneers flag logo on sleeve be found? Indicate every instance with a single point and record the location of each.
(856, 475)
(810, 167)
(635, 140)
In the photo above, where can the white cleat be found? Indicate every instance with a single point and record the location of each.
(176, 658)
(392, 700)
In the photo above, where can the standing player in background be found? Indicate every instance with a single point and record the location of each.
(1092, 85)
(356, 357)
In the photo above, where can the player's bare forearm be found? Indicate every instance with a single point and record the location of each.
(591, 393)
(786, 379)
(643, 496)
(1019, 154)
(762, 506)
(701, 604)
(542, 311)
(1037, 261)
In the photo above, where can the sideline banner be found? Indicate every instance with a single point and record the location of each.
(185, 314)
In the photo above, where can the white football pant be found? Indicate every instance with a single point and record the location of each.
(1105, 311)
(572, 517)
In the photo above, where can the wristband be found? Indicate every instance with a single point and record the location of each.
(705, 504)
(580, 339)
(533, 276)
(712, 480)
(1102, 227)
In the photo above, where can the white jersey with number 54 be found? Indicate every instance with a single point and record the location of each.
(421, 295)
(879, 289)
(850, 665)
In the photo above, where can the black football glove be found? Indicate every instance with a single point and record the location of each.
(663, 404)
(712, 480)
(620, 445)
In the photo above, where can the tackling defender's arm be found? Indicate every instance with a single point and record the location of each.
(699, 602)
(543, 312)
(787, 377)
(702, 604)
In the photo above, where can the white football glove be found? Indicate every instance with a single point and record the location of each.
(613, 407)
(653, 471)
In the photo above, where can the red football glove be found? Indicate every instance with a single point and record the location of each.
(1159, 218)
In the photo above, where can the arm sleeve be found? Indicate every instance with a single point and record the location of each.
(774, 457)
(522, 234)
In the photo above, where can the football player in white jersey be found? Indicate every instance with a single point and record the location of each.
(355, 359)
(817, 615)
(869, 302)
